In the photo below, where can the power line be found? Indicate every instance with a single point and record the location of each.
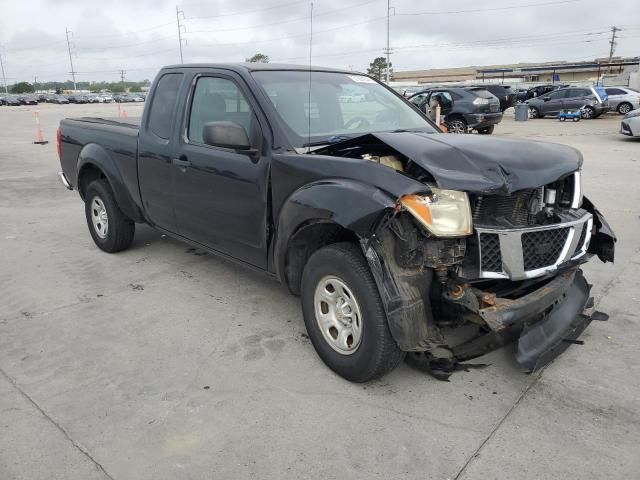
(244, 12)
(491, 9)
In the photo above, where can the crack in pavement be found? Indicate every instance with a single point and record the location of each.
(66, 434)
(610, 284)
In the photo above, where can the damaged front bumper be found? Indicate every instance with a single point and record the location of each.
(426, 299)
(545, 321)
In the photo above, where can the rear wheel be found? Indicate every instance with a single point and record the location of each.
(457, 125)
(588, 112)
(534, 112)
(624, 108)
(344, 315)
(486, 130)
(111, 230)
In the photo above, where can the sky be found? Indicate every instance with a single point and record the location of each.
(140, 36)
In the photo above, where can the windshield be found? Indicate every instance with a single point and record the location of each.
(342, 106)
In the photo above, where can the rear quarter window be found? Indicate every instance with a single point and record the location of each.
(482, 93)
(163, 104)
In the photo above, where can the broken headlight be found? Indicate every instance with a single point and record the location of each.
(444, 213)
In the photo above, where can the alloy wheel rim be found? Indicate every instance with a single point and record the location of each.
(624, 108)
(99, 217)
(338, 315)
(456, 127)
(587, 113)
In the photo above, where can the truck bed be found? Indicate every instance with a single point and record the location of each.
(114, 137)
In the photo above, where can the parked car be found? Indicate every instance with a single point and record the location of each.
(463, 108)
(3, 100)
(77, 98)
(92, 98)
(120, 97)
(505, 94)
(623, 99)
(537, 91)
(12, 100)
(630, 124)
(28, 99)
(590, 101)
(136, 97)
(105, 98)
(389, 230)
(59, 99)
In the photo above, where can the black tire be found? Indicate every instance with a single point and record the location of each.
(588, 113)
(624, 108)
(456, 125)
(535, 113)
(377, 352)
(118, 233)
(486, 130)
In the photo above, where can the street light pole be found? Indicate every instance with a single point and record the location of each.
(4, 80)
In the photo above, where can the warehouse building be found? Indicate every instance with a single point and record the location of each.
(620, 71)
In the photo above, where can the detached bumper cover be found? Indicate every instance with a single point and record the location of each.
(543, 341)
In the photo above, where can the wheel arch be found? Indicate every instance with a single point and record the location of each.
(94, 163)
(314, 216)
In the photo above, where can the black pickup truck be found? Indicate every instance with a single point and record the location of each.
(398, 238)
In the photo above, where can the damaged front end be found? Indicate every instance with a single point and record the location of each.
(463, 272)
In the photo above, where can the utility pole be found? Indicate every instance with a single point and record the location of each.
(122, 74)
(310, 42)
(4, 80)
(614, 30)
(388, 49)
(35, 80)
(73, 72)
(181, 29)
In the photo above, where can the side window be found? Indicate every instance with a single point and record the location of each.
(217, 99)
(418, 99)
(557, 94)
(614, 91)
(163, 104)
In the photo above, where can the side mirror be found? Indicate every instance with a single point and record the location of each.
(225, 135)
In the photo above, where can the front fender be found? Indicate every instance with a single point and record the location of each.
(603, 241)
(353, 205)
(93, 154)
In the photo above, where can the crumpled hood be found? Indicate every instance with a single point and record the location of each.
(484, 164)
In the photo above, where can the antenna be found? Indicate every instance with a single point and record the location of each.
(310, 56)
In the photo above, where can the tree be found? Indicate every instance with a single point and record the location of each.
(135, 88)
(117, 88)
(22, 87)
(378, 68)
(258, 58)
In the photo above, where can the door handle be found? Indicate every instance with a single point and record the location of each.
(181, 162)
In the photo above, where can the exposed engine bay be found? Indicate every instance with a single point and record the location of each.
(450, 298)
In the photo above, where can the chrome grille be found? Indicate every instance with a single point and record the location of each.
(542, 248)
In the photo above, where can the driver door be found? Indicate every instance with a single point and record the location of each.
(220, 193)
(553, 102)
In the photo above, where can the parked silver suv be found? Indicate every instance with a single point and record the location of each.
(591, 101)
(623, 99)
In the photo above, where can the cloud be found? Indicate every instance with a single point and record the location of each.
(141, 36)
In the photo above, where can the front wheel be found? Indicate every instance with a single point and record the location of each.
(344, 316)
(111, 230)
(486, 130)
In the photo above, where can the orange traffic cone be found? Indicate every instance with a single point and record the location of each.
(125, 114)
(39, 136)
